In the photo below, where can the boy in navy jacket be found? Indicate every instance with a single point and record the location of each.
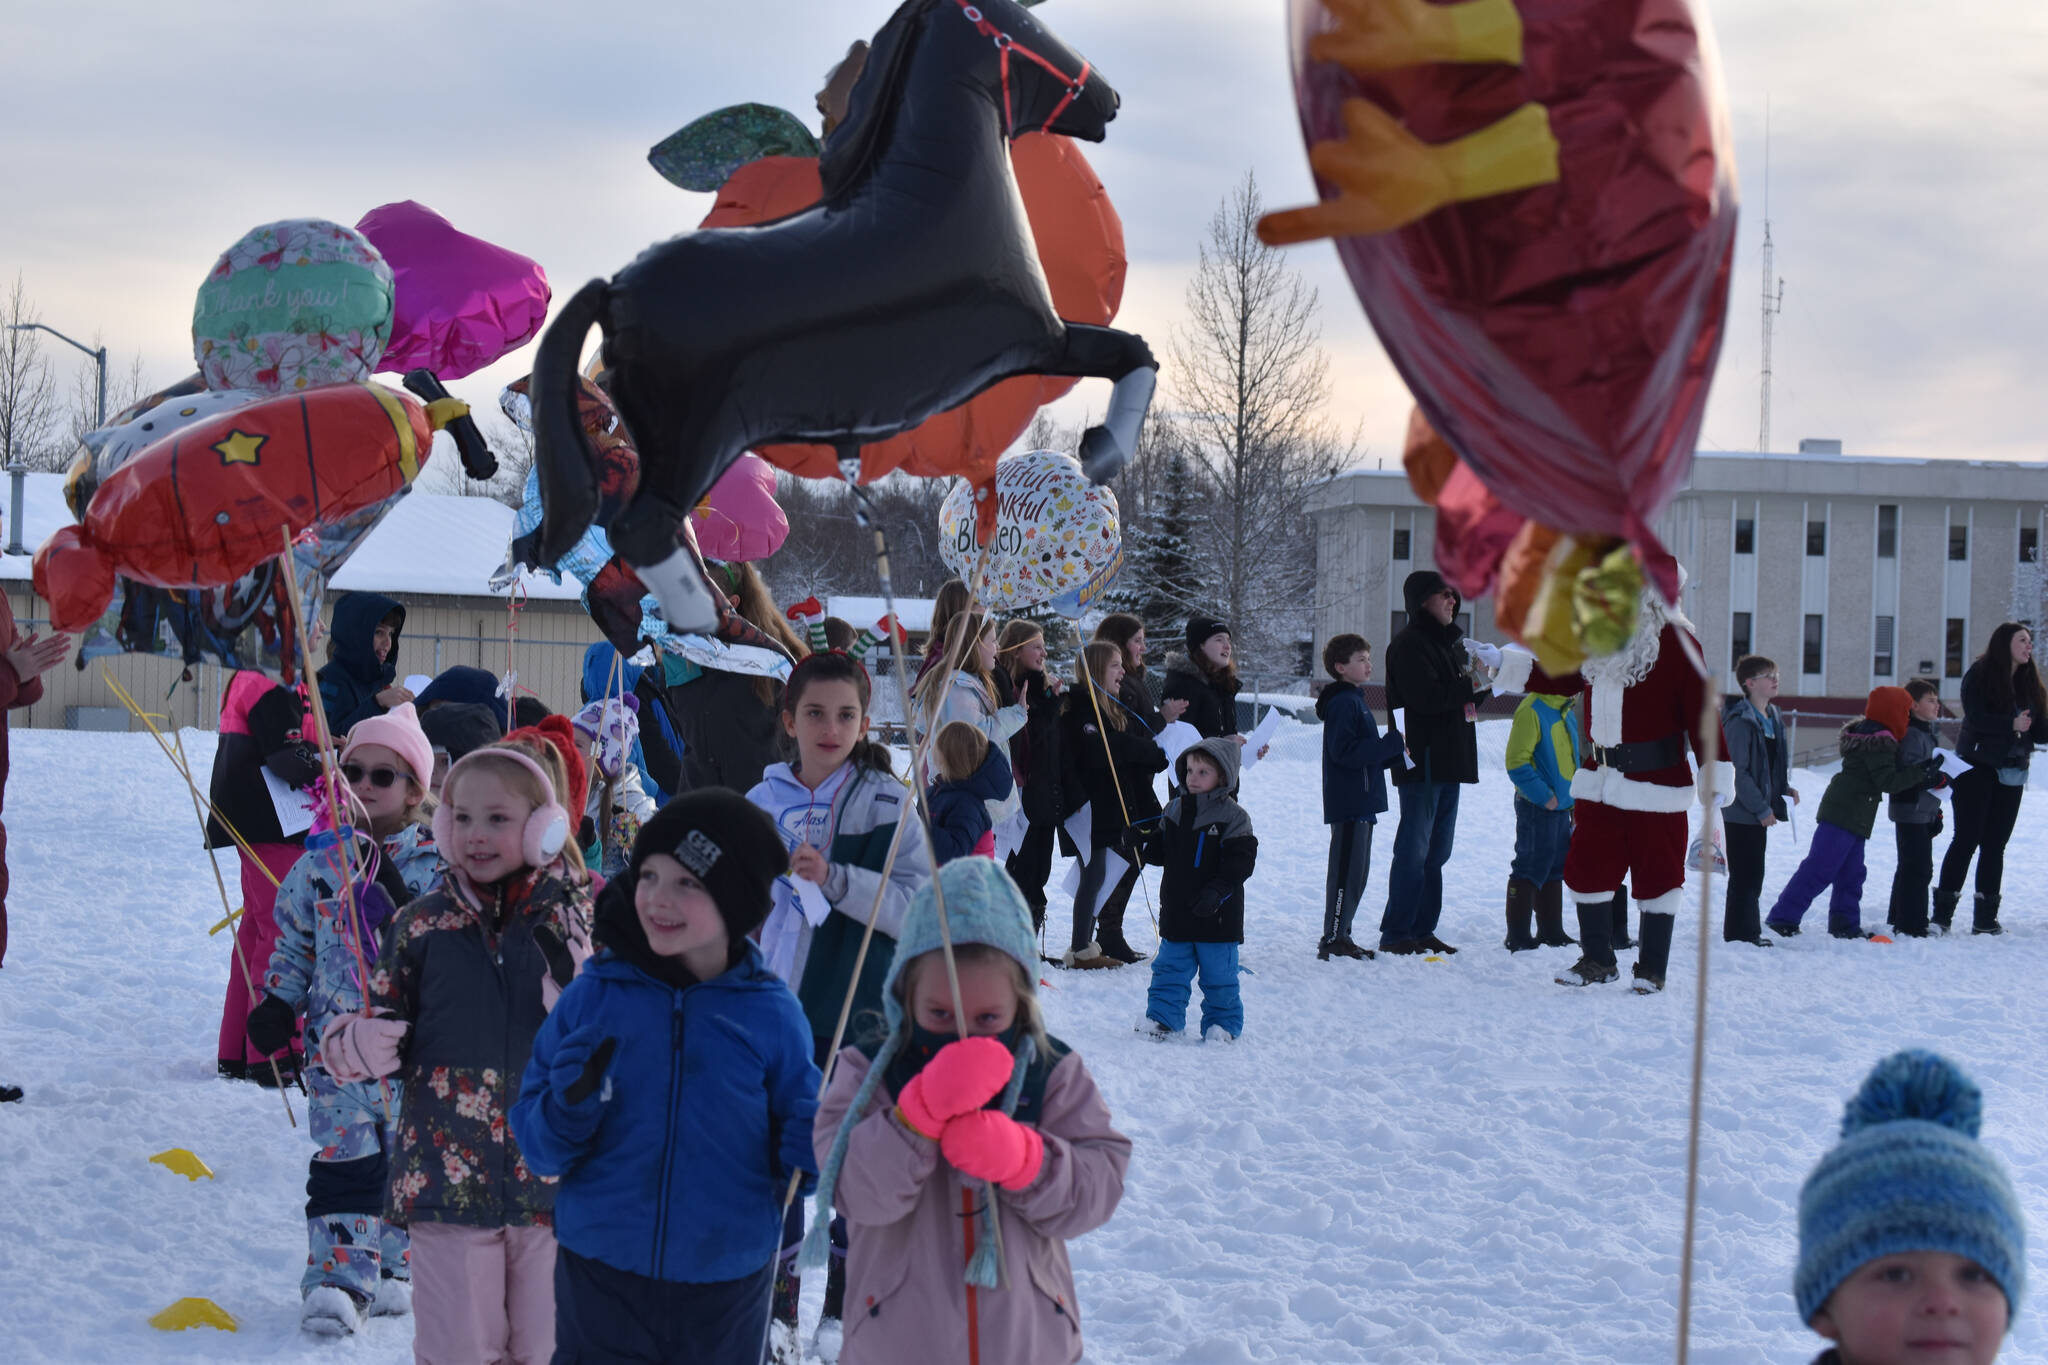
(672, 1090)
(1355, 758)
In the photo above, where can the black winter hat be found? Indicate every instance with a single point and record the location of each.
(462, 727)
(1201, 629)
(1422, 585)
(460, 684)
(728, 843)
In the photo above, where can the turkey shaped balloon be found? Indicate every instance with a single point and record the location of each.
(912, 286)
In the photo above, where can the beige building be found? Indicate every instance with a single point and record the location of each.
(1850, 572)
(434, 553)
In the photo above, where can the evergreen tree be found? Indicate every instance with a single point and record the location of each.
(1162, 579)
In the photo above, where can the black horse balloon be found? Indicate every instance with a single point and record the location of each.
(911, 287)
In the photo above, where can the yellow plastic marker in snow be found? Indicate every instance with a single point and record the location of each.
(185, 1164)
(186, 1314)
(233, 915)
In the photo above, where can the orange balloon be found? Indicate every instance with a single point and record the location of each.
(1080, 246)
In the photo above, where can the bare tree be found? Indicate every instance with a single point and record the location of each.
(1251, 377)
(28, 394)
(125, 388)
(512, 445)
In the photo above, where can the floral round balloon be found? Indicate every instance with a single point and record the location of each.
(1057, 540)
(291, 306)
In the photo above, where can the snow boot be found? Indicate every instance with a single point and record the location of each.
(1596, 953)
(1521, 911)
(1091, 958)
(330, 1311)
(1985, 919)
(1344, 947)
(10, 1094)
(1152, 1030)
(1945, 907)
(1436, 945)
(1550, 917)
(394, 1298)
(1655, 958)
(1109, 932)
(1619, 937)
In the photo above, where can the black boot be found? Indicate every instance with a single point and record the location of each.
(1945, 907)
(1550, 917)
(1521, 909)
(1596, 952)
(835, 1286)
(1655, 957)
(1620, 938)
(1109, 930)
(1329, 939)
(1985, 920)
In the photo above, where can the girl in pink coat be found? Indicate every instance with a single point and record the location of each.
(927, 1141)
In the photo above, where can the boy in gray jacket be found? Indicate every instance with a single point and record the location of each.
(1760, 754)
(1916, 814)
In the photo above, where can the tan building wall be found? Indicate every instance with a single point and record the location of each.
(440, 632)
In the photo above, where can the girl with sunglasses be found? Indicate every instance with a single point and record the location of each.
(357, 1264)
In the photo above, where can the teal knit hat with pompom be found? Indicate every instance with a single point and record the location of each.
(1909, 1175)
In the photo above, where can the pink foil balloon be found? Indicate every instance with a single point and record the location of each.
(462, 302)
(739, 518)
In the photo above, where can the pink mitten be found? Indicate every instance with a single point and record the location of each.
(359, 1048)
(990, 1145)
(963, 1077)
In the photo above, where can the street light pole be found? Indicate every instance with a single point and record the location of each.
(100, 356)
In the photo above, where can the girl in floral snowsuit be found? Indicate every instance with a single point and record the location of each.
(454, 1003)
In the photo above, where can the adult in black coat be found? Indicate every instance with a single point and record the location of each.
(2005, 715)
(1127, 633)
(1431, 690)
(1034, 756)
(1109, 757)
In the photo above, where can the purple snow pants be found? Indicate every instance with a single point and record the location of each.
(1835, 856)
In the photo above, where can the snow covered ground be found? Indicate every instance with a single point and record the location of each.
(1401, 1161)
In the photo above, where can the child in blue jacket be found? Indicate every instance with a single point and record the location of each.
(1543, 755)
(672, 1091)
(971, 778)
(1355, 757)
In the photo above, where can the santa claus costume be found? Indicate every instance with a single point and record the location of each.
(1641, 709)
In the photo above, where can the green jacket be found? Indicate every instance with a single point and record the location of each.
(1870, 771)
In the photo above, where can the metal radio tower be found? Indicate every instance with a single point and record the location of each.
(1774, 303)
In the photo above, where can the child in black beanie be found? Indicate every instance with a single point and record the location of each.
(675, 1062)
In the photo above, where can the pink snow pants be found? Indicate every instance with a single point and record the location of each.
(256, 932)
(482, 1296)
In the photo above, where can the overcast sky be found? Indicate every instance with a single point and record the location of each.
(1909, 186)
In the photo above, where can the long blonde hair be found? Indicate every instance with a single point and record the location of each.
(1091, 668)
(961, 638)
(1016, 634)
(558, 777)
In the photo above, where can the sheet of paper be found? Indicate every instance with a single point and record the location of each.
(1175, 740)
(1400, 719)
(294, 808)
(1261, 735)
(1080, 828)
(1114, 867)
(416, 683)
(1070, 885)
(811, 900)
(1010, 834)
(1951, 765)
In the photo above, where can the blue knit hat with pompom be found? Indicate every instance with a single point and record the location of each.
(1909, 1175)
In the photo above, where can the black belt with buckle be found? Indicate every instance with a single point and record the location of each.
(1643, 756)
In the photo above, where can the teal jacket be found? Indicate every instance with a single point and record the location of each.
(1543, 749)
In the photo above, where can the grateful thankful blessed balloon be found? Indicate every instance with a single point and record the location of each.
(1057, 540)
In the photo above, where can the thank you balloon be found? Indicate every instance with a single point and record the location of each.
(291, 306)
(1057, 540)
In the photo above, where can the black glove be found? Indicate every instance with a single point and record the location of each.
(585, 1085)
(271, 1024)
(1936, 778)
(561, 966)
(1207, 902)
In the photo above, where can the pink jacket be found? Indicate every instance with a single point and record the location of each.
(907, 1228)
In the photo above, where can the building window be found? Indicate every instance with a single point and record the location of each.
(1881, 655)
(2030, 544)
(1745, 535)
(1952, 665)
(1465, 622)
(1401, 538)
(1809, 658)
(1816, 539)
(1400, 623)
(1887, 531)
(1738, 638)
(1958, 542)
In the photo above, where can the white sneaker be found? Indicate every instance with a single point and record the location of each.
(330, 1311)
(830, 1338)
(1153, 1030)
(1216, 1033)
(394, 1298)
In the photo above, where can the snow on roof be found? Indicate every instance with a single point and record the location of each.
(428, 543)
(912, 613)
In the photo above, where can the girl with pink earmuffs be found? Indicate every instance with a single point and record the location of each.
(460, 987)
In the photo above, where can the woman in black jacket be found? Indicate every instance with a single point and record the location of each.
(1109, 759)
(1127, 633)
(1205, 679)
(2005, 714)
(1034, 756)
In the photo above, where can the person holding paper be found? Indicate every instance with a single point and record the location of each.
(1034, 759)
(1355, 756)
(1204, 680)
(1111, 756)
(1916, 814)
(2005, 715)
(1759, 751)
(1436, 685)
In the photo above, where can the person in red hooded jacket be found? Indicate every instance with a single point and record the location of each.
(23, 661)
